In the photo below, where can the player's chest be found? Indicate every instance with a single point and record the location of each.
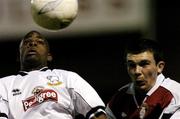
(35, 90)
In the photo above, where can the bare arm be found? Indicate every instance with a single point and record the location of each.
(102, 116)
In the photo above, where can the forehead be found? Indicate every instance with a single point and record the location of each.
(147, 55)
(33, 34)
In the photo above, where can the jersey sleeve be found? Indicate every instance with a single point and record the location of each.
(113, 105)
(86, 99)
(174, 107)
(109, 112)
(3, 102)
(176, 115)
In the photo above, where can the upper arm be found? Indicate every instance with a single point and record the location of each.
(3, 108)
(85, 97)
(176, 114)
(3, 103)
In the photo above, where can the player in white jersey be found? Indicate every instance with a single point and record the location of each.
(40, 93)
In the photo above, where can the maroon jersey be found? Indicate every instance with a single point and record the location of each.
(158, 103)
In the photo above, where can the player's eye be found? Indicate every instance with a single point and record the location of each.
(25, 42)
(40, 41)
(144, 63)
(131, 64)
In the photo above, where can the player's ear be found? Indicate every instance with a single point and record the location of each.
(160, 66)
(49, 58)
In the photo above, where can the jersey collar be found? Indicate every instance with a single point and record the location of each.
(23, 73)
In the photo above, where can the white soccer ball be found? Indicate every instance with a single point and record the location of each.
(54, 14)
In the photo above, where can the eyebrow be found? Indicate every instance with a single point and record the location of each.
(141, 61)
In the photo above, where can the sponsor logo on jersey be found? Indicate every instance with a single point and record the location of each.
(53, 81)
(123, 115)
(16, 92)
(40, 95)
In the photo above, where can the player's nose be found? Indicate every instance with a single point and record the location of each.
(32, 43)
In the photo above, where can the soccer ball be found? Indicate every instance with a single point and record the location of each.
(54, 14)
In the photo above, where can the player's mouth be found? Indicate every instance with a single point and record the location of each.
(140, 83)
(32, 52)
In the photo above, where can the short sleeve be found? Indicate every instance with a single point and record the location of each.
(3, 102)
(85, 96)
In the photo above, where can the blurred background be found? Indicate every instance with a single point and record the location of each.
(93, 44)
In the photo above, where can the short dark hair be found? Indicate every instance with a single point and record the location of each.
(32, 32)
(36, 32)
(140, 45)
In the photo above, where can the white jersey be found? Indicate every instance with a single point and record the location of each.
(50, 94)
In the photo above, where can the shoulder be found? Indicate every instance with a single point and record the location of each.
(124, 90)
(128, 88)
(6, 82)
(7, 78)
(171, 85)
(174, 87)
(65, 72)
(68, 76)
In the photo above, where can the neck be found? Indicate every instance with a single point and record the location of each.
(31, 68)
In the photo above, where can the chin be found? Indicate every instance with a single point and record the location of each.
(32, 61)
(143, 89)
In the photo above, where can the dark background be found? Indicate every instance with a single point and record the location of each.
(98, 57)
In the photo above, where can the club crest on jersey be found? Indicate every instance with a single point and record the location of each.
(143, 111)
(123, 115)
(53, 81)
(40, 95)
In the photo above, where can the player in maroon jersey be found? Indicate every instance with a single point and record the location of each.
(150, 95)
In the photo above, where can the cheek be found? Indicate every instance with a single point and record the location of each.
(131, 73)
(42, 51)
(150, 73)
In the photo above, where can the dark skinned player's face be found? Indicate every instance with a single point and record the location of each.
(34, 49)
